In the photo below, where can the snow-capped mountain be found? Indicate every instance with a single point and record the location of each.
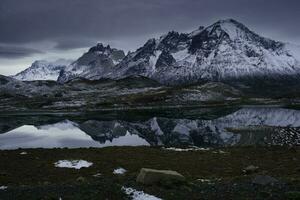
(98, 60)
(43, 70)
(223, 51)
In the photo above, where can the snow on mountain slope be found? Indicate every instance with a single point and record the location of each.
(293, 50)
(223, 51)
(98, 60)
(43, 70)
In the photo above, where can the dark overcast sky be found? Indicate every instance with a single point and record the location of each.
(50, 29)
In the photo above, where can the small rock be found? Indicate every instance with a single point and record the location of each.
(80, 179)
(264, 180)
(153, 176)
(250, 169)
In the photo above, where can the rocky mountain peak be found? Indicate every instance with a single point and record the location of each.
(99, 48)
(231, 32)
(107, 52)
(146, 50)
(98, 60)
(233, 29)
(172, 40)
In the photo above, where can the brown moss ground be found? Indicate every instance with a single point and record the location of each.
(34, 174)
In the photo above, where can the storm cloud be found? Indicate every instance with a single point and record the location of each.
(16, 52)
(73, 24)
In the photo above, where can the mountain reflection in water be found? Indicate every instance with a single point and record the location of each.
(246, 126)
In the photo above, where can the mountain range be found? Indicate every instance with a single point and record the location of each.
(224, 51)
(222, 64)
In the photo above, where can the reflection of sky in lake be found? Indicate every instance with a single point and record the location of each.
(247, 126)
(64, 134)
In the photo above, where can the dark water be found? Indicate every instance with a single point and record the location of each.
(201, 127)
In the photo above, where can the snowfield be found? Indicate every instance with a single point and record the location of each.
(75, 164)
(119, 171)
(187, 149)
(3, 187)
(138, 195)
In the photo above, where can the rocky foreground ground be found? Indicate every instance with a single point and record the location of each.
(228, 173)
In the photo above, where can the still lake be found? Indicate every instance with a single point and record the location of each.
(200, 127)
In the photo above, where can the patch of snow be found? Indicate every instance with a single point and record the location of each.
(187, 149)
(119, 171)
(204, 180)
(23, 153)
(155, 127)
(208, 181)
(231, 29)
(3, 187)
(139, 195)
(43, 70)
(63, 125)
(97, 175)
(180, 55)
(153, 60)
(75, 164)
(294, 50)
(115, 62)
(220, 152)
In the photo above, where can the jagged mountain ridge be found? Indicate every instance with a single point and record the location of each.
(223, 51)
(43, 70)
(99, 59)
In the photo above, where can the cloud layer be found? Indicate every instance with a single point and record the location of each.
(72, 24)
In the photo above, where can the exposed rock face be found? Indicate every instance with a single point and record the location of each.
(152, 176)
(97, 61)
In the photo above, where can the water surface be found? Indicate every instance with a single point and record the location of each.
(195, 127)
